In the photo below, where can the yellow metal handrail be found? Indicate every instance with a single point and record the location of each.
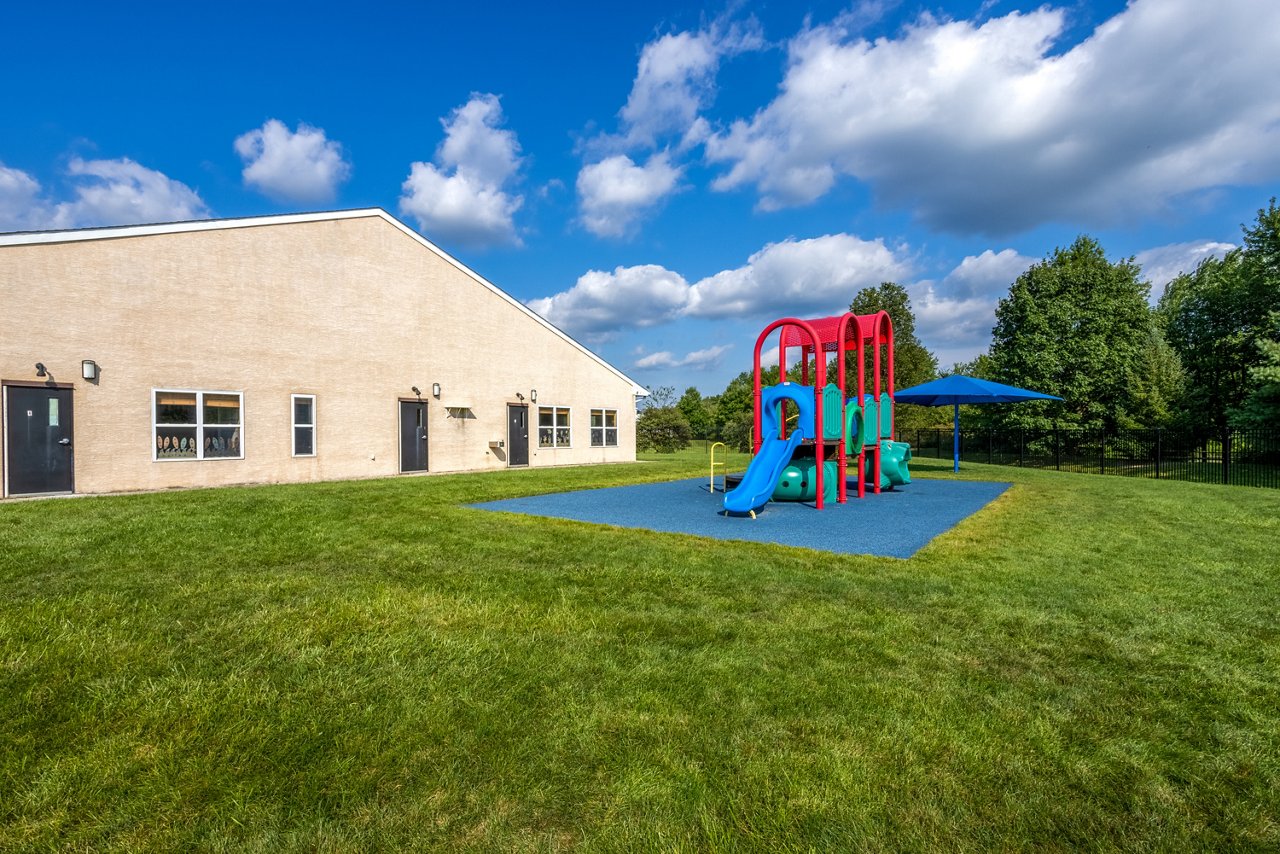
(714, 464)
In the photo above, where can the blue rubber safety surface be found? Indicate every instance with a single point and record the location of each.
(895, 523)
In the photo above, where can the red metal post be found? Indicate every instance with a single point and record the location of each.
(782, 378)
(875, 448)
(842, 449)
(893, 415)
(862, 403)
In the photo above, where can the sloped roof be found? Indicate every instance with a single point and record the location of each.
(32, 238)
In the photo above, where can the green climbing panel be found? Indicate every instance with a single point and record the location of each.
(831, 413)
(886, 416)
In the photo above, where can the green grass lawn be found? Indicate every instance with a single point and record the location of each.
(1089, 662)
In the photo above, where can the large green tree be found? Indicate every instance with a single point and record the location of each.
(1077, 326)
(1216, 318)
(1157, 383)
(1262, 407)
(695, 411)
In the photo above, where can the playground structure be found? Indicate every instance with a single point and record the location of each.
(828, 423)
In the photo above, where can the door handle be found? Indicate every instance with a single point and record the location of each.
(64, 441)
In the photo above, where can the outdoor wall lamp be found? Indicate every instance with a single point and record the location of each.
(533, 395)
(89, 370)
(435, 389)
(40, 371)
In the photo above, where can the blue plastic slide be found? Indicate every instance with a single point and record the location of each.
(762, 475)
(766, 466)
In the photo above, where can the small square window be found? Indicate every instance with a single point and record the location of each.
(604, 428)
(553, 427)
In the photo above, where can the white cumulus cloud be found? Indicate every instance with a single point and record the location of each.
(1162, 264)
(984, 127)
(122, 192)
(675, 81)
(463, 197)
(954, 316)
(797, 277)
(698, 359)
(22, 207)
(601, 303)
(107, 192)
(293, 166)
(614, 193)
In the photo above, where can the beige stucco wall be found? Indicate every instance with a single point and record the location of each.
(354, 311)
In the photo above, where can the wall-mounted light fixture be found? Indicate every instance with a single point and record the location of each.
(40, 371)
(89, 370)
(533, 395)
(435, 389)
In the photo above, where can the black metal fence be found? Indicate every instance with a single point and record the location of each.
(1236, 457)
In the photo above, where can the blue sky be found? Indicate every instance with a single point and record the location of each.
(664, 179)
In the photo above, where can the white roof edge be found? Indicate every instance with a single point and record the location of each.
(29, 238)
(113, 232)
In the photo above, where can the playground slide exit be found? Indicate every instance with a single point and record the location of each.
(762, 474)
(766, 466)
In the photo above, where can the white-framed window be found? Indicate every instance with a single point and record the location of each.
(553, 427)
(304, 424)
(197, 425)
(604, 428)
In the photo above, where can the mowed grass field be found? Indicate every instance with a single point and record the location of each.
(1089, 663)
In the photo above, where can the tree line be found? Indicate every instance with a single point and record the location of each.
(1204, 358)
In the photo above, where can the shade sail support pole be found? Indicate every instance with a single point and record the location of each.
(955, 438)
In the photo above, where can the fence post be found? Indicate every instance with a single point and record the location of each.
(991, 432)
(1022, 446)
(1102, 450)
(1057, 449)
(1159, 449)
(1226, 455)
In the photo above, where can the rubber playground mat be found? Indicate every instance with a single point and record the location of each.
(895, 523)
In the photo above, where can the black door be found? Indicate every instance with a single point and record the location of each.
(517, 435)
(413, 436)
(38, 434)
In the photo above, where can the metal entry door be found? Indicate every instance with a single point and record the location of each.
(413, 436)
(38, 430)
(517, 435)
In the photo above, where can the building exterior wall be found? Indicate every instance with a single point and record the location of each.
(352, 310)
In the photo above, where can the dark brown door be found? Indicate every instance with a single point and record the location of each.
(517, 435)
(413, 436)
(38, 436)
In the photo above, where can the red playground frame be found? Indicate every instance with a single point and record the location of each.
(815, 338)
